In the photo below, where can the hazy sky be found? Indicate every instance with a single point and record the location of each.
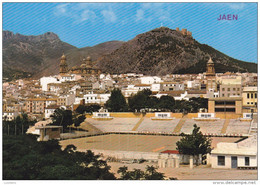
(88, 24)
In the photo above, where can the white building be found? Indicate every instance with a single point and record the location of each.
(235, 155)
(155, 87)
(44, 81)
(93, 98)
(49, 111)
(128, 92)
(9, 116)
(141, 87)
(67, 77)
(150, 79)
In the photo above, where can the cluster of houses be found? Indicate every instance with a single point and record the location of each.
(230, 92)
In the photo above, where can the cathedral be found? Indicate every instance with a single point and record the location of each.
(63, 65)
(87, 68)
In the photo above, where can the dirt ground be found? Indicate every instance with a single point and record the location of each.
(144, 143)
(197, 173)
(127, 142)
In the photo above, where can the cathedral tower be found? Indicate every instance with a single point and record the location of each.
(63, 65)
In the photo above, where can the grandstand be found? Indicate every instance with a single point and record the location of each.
(177, 126)
(205, 126)
(253, 125)
(238, 127)
(114, 125)
(160, 126)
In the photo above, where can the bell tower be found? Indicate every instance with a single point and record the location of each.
(211, 76)
(63, 65)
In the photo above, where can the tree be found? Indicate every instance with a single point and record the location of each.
(152, 174)
(78, 120)
(194, 144)
(81, 109)
(116, 102)
(193, 105)
(141, 100)
(166, 103)
(137, 174)
(17, 126)
(26, 159)
(62, 117)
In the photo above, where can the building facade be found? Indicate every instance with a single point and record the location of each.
(232, 90)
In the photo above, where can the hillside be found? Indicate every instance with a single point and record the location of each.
(39, 56)
(157, 52)
(165, 51)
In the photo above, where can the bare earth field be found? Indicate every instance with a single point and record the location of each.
(151, 143)
(128, 142)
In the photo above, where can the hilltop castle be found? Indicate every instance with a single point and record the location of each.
(184, 31)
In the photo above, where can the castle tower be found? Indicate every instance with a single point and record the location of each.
(211, 76)
(63, 65)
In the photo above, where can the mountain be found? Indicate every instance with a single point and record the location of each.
(38, 56)
(165, 51)
(31, 54)
(75, 56)
(157, 52)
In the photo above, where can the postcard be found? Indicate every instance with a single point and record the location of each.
(130, 91)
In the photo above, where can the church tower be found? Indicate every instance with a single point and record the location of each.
(211, 76)
(63, 65)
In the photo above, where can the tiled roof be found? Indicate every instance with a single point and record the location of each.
(170, 152)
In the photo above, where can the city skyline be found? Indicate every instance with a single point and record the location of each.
(88, 24)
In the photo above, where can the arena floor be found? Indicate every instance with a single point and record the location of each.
(128, 142)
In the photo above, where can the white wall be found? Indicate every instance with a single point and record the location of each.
(48, 113)
(67, 78)
(190, 84)
(240, 161)
(44, 81)
(150, 79)
(95, 98)
(155, 87)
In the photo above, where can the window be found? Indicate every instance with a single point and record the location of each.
(255, 95)
(238, 94)
(223, 89)
(102, 115)
(247, 95)
(238, 89)
(234, 89)
(247, 161)
(163, 115)
(223, 95)
(221, 160)
(228, 94)
(228, 89)
(252, 95)
(247, 102)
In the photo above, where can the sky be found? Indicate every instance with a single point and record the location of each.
(88, 24)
